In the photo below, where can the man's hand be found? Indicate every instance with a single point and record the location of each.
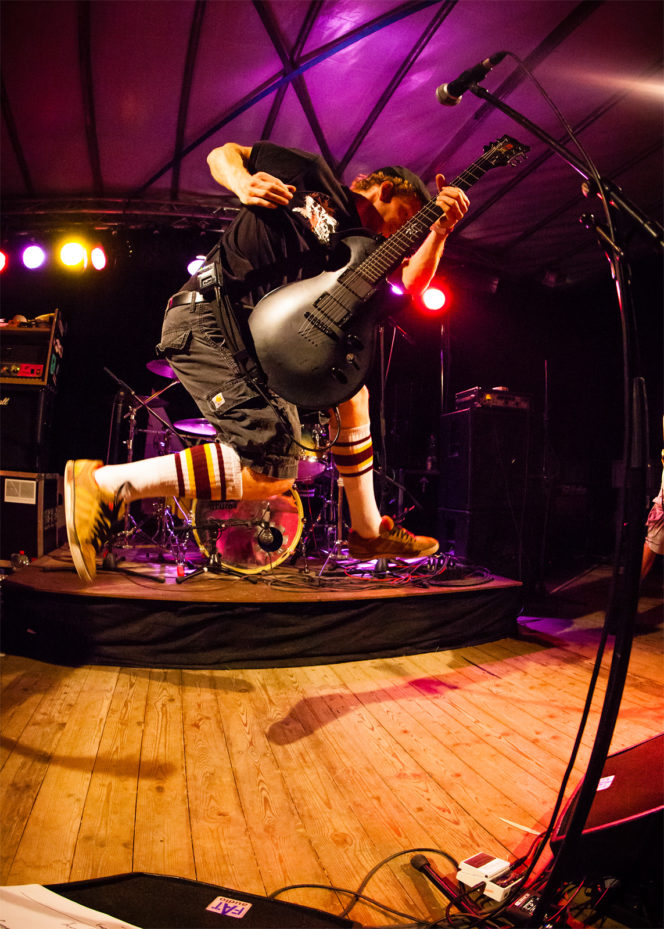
(263, 189)
(228, 166)
(453, 202)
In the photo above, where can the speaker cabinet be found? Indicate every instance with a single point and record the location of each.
(31, 514)
(485, 512)
(26, 427)
(484, 458)
(623, 834)
(490, 538)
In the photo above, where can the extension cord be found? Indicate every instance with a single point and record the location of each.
(522, 909)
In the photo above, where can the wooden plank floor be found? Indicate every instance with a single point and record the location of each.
(255, 779)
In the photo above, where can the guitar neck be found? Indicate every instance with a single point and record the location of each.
(388, 256)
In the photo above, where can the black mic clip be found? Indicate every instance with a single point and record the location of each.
(450, 94)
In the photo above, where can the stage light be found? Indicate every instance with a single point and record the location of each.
(74, 254)
(433, 299)
(98, 258)
(33, 257)
(195, 264)
(3, 261)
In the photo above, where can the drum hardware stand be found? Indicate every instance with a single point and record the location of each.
(214, 564)
(135, 403)
(335, 552)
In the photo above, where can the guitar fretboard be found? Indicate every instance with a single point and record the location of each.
(389, 255)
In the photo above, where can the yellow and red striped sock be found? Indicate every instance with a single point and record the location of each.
(207, 472)
(352, 453)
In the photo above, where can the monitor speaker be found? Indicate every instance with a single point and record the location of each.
(26, 425)
(484, 454)
(623, 834)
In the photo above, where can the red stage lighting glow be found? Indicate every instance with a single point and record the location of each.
(433, 299)
(3, 261)
(98, 258)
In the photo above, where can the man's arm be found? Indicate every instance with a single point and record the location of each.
(229, 167)
(418, 270)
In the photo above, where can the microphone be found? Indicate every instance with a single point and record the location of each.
(450, 94)
(269, 538)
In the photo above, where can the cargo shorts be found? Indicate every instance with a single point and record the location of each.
(261, 432)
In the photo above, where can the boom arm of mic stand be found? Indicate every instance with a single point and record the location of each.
(628, 554)
(618, 199)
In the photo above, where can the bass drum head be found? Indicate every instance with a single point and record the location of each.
(259, 534)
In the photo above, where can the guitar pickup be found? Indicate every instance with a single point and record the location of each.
(357, 285)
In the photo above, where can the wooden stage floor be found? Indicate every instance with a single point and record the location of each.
(257, 778)
(283, 616)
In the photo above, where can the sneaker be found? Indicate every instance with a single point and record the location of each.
(392, 541)
(89, 514)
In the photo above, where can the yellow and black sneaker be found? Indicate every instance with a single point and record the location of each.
(391, 542)
(89, 513)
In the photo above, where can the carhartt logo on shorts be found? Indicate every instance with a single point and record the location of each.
(218, 400)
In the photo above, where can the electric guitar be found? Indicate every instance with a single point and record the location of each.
(314, 338)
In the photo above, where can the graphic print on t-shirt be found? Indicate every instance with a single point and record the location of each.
(317, 212)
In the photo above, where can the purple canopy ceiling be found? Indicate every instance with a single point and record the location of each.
(110, 108)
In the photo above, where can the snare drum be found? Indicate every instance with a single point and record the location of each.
(312, 461)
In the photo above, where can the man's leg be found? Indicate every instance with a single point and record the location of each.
(94, 491)
(371, 535)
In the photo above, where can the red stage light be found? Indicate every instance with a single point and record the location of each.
(3, 261)
(433, 299)
(98, 258)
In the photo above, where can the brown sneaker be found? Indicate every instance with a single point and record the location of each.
(392, 542)
(89, 515)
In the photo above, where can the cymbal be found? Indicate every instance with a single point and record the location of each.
(195, 427)
(162, 368)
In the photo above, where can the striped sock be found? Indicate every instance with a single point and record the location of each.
(205, 472)
(353, 456)
(353, 452)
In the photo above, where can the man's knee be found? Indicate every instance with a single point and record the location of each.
(355, 412)
(257, 486)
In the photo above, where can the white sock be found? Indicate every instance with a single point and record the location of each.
(353, 456)
(206, 472)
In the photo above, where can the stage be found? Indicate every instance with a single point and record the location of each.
(144, 615)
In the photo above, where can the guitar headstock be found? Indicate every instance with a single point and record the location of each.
(506, 151)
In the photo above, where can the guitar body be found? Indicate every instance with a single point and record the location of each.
(315, 338)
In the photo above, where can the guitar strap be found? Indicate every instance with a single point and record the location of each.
(211, 286)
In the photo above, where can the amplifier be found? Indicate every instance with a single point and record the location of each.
(32, 516)
(26, 427)
(31, 350)
(624, 831)
(490, 397)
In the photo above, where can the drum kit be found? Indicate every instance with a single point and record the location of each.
(234, 537)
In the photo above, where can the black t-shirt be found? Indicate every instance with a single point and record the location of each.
(265, 248)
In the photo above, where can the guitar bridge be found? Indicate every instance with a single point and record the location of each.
(322, 323)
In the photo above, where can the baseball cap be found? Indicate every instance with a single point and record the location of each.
(412, 178)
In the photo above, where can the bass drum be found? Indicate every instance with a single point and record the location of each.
(248, 536)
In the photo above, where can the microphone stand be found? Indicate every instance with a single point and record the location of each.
(624, 592)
